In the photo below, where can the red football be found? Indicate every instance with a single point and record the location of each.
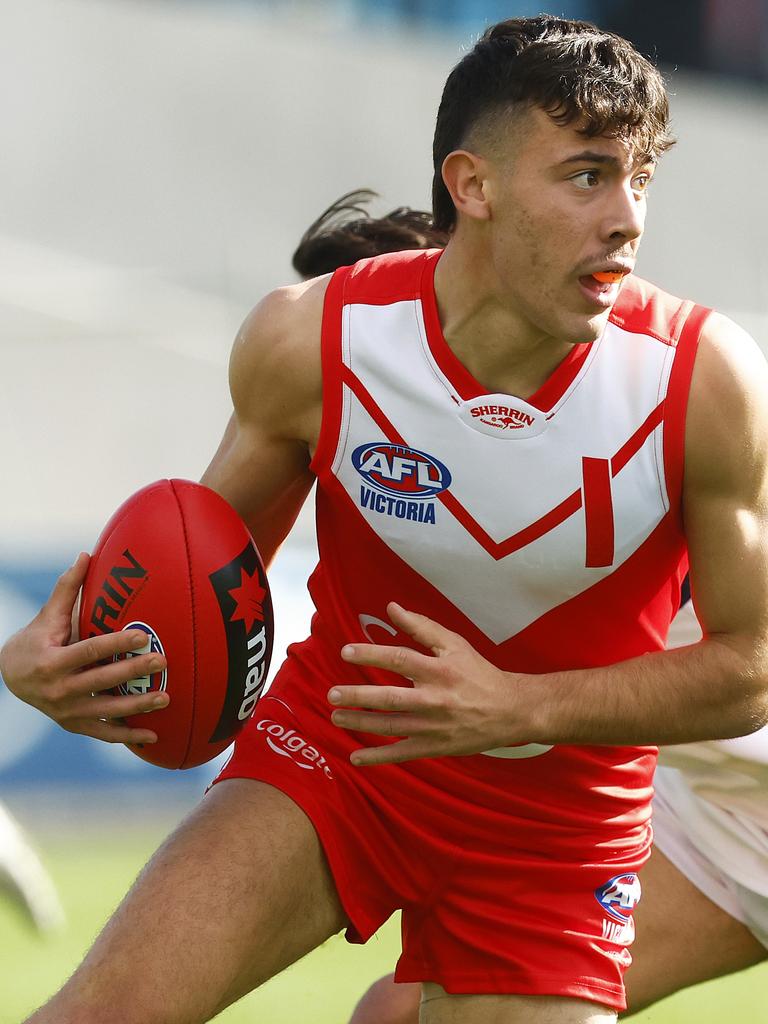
(178, 562)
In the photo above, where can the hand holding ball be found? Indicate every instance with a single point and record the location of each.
(176, 562)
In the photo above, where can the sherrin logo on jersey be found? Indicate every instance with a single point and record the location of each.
(619, 896)
(144, 684)
(399, 480)
(503, 416)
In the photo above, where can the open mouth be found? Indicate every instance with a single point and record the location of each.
(602, 286)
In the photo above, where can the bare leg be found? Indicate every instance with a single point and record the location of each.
(682, 937)
(240, 891)
(388, 1003)
(438, 1007)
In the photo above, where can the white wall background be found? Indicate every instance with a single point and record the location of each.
(159, 162)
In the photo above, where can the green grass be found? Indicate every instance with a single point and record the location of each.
(93, 872)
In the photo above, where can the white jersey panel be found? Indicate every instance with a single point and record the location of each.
(500, 485)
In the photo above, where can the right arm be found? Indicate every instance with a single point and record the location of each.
(262, 464)
(261, 468)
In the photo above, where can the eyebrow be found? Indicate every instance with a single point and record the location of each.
(589, 156)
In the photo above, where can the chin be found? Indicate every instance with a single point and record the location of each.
(585, 328)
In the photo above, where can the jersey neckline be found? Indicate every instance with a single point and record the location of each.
(459, 377)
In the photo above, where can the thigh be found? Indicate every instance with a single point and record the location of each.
(240, 891)
(683, 938)
(437, 1007)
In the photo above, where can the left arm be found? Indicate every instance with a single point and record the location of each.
(717, 688)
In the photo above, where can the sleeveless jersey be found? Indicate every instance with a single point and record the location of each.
(547, 532)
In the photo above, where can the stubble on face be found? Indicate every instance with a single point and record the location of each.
(543, 233)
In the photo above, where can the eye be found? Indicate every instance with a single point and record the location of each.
(586, 180)
(642, 182)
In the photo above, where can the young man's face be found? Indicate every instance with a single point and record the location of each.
(564, 206)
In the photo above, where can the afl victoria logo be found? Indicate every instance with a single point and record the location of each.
(397, 470)
(619, 896)
(144, 684)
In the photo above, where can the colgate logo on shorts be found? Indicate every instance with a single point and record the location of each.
(288, 743)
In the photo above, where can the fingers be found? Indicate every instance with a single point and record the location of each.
(113, 732)
(379, 698)
(111, 708)
(424, 631)
(376, 722)
(402, 660)
(67, 587)
(114, 674)
(392, 753)
(95, 649)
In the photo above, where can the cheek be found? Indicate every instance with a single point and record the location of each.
(537, 245)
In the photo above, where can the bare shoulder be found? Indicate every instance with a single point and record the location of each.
(727, 423)
(275, 370)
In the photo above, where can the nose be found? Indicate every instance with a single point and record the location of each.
(625, 218)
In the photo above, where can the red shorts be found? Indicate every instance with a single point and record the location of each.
(500, 892)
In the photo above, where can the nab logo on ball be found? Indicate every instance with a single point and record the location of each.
(619, 896)
(142, 685)
(399, 481)
(246, 610)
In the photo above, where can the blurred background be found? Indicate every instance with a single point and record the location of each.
(160, 160)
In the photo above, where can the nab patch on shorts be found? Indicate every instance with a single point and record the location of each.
(399, 481)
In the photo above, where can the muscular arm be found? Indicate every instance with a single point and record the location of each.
(262, 464)
(714, 689)
(719, 686)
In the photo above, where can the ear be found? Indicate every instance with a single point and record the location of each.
(465, 174)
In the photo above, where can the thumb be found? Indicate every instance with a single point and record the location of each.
(424, 631)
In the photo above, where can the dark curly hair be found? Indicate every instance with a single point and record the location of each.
(576, 72)
(346, 233)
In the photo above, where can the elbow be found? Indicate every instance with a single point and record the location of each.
(750, 709)
(744, 697)
(757, 712)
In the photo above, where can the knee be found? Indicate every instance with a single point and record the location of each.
(388, 1003)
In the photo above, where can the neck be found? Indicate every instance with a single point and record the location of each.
(503, 350)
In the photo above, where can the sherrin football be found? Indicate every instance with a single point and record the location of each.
(176, 561)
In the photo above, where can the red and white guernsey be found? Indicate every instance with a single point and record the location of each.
(547, 532)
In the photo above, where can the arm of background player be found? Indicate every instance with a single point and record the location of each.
(262, 464)
(714, 689)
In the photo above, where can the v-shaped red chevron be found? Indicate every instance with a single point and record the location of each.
(552, 519)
